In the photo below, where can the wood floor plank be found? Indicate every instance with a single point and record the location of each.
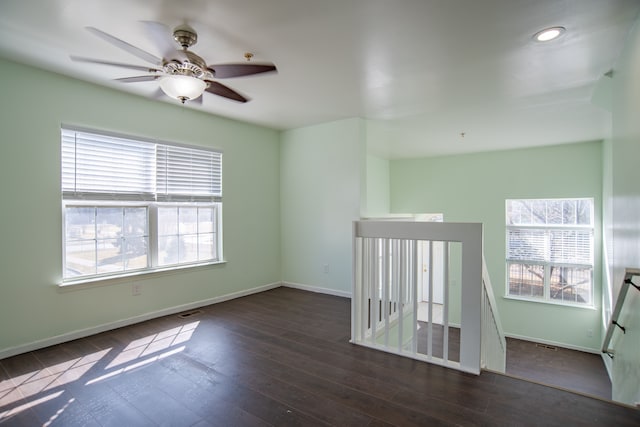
(558, 366)
(278, 358)
(392, 379)
(214, 392)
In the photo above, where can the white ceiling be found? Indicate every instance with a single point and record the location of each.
(423, 71)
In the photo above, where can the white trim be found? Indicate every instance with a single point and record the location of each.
(112, 279)
(553, 343)
(550, 302)
(317, 289)
(81, 333)
(420, 357)
(608, 364)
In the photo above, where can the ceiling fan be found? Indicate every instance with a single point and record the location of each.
(182, 74)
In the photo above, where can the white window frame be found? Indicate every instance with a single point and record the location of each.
(154, 236)
(99, 204)
(547, 264)
(151, 204)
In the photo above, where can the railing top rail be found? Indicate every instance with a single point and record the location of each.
(486, 281)
(410, 230)
(629, 273)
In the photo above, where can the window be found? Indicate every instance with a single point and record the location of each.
(105, 239)
(134, 205)
(186, 234)
(550, 250)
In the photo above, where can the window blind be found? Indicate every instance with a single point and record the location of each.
(98, 167)
(187, 173)
(556, 246)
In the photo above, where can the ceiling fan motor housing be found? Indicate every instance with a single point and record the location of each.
(186, 62)
(185, 36)
(191, 64)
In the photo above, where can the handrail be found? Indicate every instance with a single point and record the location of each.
(486, 279)
(628, 274)
(494, 345)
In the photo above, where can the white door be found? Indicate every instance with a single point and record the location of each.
(437, 274)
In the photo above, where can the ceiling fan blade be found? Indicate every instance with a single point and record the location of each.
(115, 64)
(223, 71)
(136, 51)
(224, 91)
(161, 35)
(137, 79)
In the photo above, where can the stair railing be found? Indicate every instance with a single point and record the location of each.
(385, 289)
(494, 344)
(629, 273)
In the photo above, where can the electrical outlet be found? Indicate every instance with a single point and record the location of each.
(589, 333)
(326, 268)
(136, 289)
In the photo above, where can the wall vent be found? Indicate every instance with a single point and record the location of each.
(548, 347)
(187, 314)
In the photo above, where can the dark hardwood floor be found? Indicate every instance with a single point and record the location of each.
(438, 341)
(559, 367)
(279, 358)
(549, 365)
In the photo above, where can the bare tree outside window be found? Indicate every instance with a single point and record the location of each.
(550, 250)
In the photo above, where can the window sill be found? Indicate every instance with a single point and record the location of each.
(549, 302)
(129, 277)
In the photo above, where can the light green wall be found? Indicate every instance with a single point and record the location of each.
(473, 188)
(377, 182)
(321, 174)
(35, 103)
(625, 199)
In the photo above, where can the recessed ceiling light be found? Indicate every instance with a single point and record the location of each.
(548, 34)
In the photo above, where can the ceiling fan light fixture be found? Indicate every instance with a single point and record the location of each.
(548, 34)
(182, 87)
(181, 74)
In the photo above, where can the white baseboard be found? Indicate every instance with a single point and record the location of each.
(81, 333)
(553, 343)
(317, 289)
